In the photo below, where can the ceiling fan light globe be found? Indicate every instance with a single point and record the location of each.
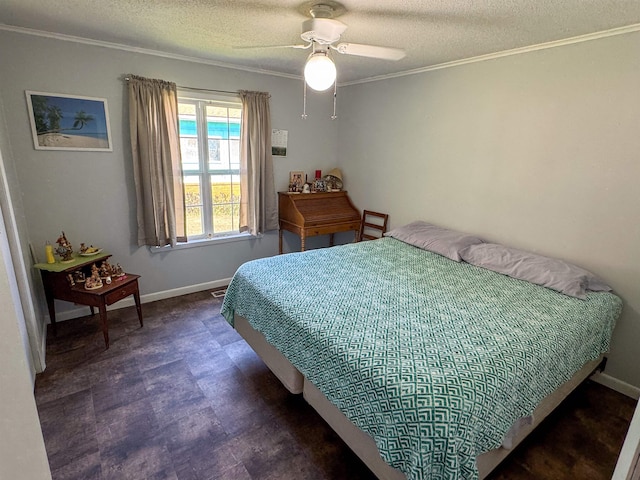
(319, 72)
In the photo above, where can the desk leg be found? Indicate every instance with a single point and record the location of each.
(280, 241)
(136, 297)
(302, 242)
(105, 324)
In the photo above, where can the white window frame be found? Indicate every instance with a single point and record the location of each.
(201, 100)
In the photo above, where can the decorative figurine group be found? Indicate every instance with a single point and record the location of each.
(105, 273)
(332, 182)
(99, 275)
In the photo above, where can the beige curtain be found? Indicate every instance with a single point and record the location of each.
(157, 166)
(258, 207)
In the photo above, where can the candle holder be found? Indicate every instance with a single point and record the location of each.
(48, 250)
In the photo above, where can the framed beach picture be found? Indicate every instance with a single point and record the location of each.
(69, 122)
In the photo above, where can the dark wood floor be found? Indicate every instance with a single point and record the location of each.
(186, 398)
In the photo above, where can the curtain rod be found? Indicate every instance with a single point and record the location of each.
(207, 90)
(198, 89)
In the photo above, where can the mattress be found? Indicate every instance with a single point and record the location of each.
(434, 359)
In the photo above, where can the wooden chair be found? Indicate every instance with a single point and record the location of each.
(373, 225)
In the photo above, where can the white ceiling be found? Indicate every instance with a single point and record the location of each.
(432, 32)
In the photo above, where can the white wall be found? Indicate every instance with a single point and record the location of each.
(538, 151)
(15, 228)
(22, 452)
(90, 195)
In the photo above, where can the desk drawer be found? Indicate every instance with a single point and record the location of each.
(333, 228)
(119, 294)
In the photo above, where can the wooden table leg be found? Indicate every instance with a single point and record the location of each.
(52, 312)
(136, 297)
(280, 241)
(302, 241)
(105, 324)
(48, 283)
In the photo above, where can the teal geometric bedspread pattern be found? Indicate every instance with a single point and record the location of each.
(434, 359)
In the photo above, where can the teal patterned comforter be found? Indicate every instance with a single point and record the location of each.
(434, 359)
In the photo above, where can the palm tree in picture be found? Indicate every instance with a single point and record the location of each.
(40, 108)
(48, 117)
(54, 114)
(81, 119)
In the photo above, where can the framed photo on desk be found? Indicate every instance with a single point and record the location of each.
(296, 180)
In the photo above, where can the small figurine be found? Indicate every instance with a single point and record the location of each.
(65, 250)
(117, 271)
(88, 250)
(105, 269)
(94, 281)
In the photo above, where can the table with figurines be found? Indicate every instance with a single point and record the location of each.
(88, 279)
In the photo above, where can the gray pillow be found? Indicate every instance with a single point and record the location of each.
(549, 272)
(435, 239)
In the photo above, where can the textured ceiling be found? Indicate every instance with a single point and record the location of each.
(432, 32)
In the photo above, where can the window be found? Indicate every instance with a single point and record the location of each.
(210, 148)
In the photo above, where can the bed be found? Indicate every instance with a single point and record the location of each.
(427, 367)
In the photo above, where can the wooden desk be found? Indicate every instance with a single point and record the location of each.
(57, 286)
(310, 214)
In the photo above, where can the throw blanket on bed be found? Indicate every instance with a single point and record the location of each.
(434, 359)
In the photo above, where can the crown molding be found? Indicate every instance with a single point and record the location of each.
(145, 51)
(505, 53)
(481, 58)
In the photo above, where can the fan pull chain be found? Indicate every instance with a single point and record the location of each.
(335, 95)
(304, 100)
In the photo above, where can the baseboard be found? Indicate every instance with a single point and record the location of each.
(83, 310)
(617, 385)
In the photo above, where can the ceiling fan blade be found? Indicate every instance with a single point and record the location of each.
(254, 47)
(385, 53)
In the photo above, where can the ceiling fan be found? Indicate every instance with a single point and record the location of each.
(320, 33)
(323, 29)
